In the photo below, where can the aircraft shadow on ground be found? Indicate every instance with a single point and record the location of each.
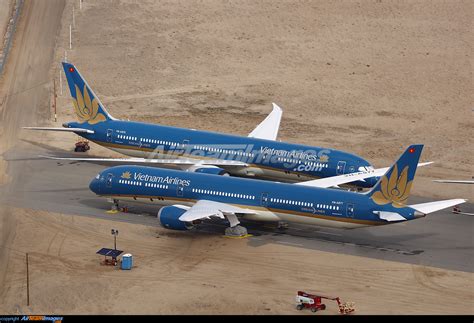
(81, 189)
(47, 147)
(268, 233)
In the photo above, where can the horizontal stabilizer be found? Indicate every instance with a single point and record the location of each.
(431, 207)
(76, 130)
(389, 216)
(216, 162)
(268, 128)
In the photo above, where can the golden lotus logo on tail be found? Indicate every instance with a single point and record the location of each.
(87, 110)
(395, 189)
(126, 175)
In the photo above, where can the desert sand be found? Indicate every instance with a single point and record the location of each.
(5, 15)
(369, 77)
(192, 273)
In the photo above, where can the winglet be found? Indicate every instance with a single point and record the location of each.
(268, 128)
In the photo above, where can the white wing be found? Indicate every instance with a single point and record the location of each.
(217, 162)
(268, 128)
(389, 216)
(204, 209)
(77, 130)
(452, 181)
(334, 181)
(431, 207)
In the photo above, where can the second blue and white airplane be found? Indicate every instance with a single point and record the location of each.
(190, 198)
(259, 155)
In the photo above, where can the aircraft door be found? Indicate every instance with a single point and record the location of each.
(340, 167)
(185, 146)
(110, 177)
(109, 135)
(264, 199)
(180, 190)
(350, 210)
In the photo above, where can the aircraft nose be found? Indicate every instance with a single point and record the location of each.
(94, 186)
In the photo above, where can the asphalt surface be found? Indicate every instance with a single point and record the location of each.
(442, 239)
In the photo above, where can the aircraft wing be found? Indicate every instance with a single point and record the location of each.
(452, 181)
(335, 181)
(268, 128)
(164, 161)
(431, 207)
(77, 130)
(204, 209)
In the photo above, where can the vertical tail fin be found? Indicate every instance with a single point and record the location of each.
(87, 105)
(394, 187)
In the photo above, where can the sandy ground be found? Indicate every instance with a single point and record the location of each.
(369, 77)
(5, 11)
(186, 273)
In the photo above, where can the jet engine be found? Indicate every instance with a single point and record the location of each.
(169, 218)
(208, 169)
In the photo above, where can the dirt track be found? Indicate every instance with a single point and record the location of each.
(24, 91)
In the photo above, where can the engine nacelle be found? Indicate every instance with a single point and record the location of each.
(208, 169)
(169, 218)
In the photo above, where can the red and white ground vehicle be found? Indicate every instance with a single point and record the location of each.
(82, 146)
(314, 302)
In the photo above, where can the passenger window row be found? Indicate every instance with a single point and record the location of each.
(226, 194)
(159, 142)
(291, 202)
(151, 141)
(317, 164)
(226, 151)
(126, 137)
(156, 185)
(122, 181)
(328, 207)
(307, 204)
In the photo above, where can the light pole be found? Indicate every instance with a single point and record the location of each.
(115, 234)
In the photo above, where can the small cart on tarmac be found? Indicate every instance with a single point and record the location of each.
(82, 146)
(314, 302)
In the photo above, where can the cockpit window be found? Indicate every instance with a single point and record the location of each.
(98, 176)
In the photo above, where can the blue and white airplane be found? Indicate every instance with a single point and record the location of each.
(190, 198)
(259, 155)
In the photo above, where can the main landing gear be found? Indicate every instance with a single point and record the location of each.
(115, 207)
(235, 230)
(282, 225)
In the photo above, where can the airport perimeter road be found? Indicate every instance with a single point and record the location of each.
(442, 239)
